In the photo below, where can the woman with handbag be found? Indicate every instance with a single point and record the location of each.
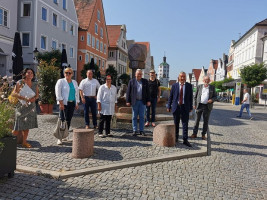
(67, 94)
(25, 113)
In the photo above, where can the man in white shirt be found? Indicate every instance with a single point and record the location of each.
(203, 103)
(106, 100)
(88, 91)
(245, 104)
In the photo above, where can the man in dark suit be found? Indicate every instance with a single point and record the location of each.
(138, 97)
(181, 103)
(203, 103)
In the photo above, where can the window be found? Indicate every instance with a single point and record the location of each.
(111, 54)
(96, 28)
(105, 48)
(97, 44)
(103, 64)
(54, 44)
(3, 17)
(82, 38)
(64, 4)
(44, 14)
(86, 58)
(25, 39)
(88, 39)
(95, 60)
(80, 58)
(99, 63)
(55, 1)
(93, 41)
(54, 19)
(101, 46)
(64, 25)
(91, 57)
(26, 10)
(71, 29)
(71, 52)
(98, 15)
(101, 32)
(43, 42)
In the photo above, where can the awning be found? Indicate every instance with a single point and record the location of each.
(232, 83)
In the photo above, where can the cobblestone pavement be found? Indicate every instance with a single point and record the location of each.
(122, 147)
(236, 169)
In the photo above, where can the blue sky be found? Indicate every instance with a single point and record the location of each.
(191, 32)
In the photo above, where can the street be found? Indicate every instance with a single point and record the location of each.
(236, 169)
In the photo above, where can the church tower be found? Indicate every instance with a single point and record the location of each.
(163, 73)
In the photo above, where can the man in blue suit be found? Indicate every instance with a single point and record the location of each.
(181, 103)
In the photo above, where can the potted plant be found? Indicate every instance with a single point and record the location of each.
(8, 143)
(47, 75)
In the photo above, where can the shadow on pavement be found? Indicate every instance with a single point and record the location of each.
(120, 144)
(105, 154)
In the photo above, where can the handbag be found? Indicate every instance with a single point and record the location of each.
(12, 99)
(61, 131)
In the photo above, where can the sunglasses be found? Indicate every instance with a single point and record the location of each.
(69, 73)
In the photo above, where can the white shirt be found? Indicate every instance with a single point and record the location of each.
(204, 95)
(107, 97)
(183, 92)
(62, 90)
(246, 96)
(89, 87)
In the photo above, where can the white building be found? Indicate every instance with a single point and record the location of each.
(163, 73)
(47, 25)
(221, 71)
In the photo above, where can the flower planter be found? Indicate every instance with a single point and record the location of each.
(46, 108)
(8, 156)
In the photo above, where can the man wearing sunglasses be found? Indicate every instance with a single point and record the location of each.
(88, 91)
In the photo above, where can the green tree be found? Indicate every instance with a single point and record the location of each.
(113, 73)
(125, 78)
(91, 66)
(47, 56)
(254, 75)
(219, 84)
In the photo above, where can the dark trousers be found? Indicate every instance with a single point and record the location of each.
(202, 109)
(68, 110)
(153, 107)
(90, 102)
(181, 113)
(103, 119)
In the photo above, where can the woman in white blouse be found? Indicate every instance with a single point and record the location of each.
(106, 100)
(67, 94)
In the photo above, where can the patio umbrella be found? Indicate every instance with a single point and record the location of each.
(64, 62)
(17, 59)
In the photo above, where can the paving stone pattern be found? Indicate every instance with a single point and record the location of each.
(46, 154)
(236, 169)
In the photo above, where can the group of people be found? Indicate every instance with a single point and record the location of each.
(142, 95)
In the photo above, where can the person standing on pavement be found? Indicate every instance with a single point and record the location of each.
(203, 103)
(138, 97)
(88, 91)
(180, 103)
(67, 95)
(155, 91)
(245, 104)
(106, 101)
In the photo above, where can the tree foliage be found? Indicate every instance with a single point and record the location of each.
(254, 75)
(91, 66)
(125, 78)
(219, 84)
(113, 73)
(47, 56)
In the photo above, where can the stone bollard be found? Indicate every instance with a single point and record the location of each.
(164, 135)
(83, 143)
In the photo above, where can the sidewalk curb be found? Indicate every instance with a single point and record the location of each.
(121, 165)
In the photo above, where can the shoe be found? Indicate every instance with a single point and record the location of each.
(95, 127)
(204, 137)
(153, 124)
(193, 136)
(238, 116)
(26, 145)
(134, 133)
(146, 124)
(101, 135)
(87, 127)
(109, 135)
(251, 118)
(142, 133)
(187, 143)
(59, 142)
(65, 139)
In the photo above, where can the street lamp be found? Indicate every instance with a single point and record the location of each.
(35, 53)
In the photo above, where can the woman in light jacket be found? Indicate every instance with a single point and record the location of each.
(67, 94)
